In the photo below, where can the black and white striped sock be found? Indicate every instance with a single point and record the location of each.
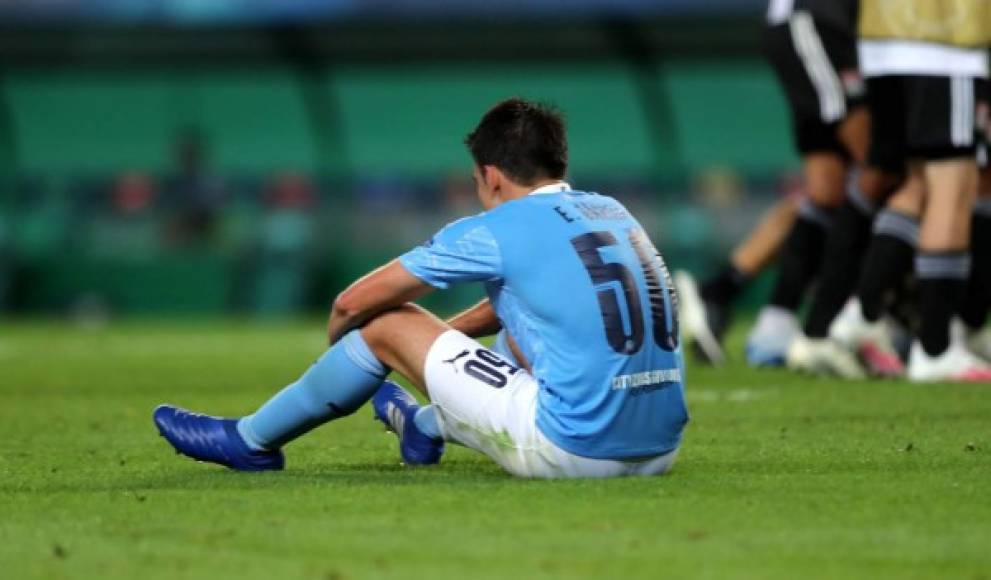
(841, 262)
(889, 260)
(801, 255)
(942, 280)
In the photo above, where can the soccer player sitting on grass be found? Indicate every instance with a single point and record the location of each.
(588, 377)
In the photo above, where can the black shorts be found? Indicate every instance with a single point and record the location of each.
(817, 67)
(921, 117)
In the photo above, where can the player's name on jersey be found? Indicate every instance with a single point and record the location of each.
(593, 211)
(646, 379)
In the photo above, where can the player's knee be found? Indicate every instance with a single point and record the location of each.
(826, 192)
(910, 197)
(879, 185)
(344, 304)
(379, 330)
(399, 314)
(825, 179)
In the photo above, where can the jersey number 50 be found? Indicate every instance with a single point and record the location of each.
(655, 274)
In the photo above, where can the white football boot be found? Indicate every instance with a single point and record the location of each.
(822, 356)
(977, 341)
(695, 327)
(767, 343)
(956, 364)
(870, 341)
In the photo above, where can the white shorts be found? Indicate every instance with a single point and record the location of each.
(487, 404)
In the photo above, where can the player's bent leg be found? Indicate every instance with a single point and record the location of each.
(336, 385)
(706, 309)
(401, 338)
(482, 400)
(420, 439)
(763, 243)
(801, 257)
(486, 403)
(700, 325)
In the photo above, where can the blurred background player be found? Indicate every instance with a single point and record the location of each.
(706, 310)
(972, 324)
(924, 61)
(811, 45)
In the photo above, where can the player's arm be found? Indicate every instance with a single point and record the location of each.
(478, 321)
(382, 289)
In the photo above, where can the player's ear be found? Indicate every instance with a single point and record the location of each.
(493, 178)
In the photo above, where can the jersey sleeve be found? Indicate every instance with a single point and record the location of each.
(463, 251)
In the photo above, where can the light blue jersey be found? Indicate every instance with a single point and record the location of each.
(588, 300)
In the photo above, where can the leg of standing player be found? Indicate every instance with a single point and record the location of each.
(942, 264)
(848, 241)
(974, 313)
(802, 254)
(977, 300)
(943, 261)
(847, 244)
(800, 259)
(893, 246)
(832, 340)
(811, 62)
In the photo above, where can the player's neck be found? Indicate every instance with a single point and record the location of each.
(518, 191)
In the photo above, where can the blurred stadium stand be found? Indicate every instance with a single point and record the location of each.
(252, 156)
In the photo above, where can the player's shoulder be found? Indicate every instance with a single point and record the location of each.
(475, 229)
(466, 223)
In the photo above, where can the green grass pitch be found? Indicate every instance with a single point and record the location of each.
(780, 477)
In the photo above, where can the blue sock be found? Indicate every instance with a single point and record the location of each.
(340, 382)
(426, 421)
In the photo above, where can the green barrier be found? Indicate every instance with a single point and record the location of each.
(412, 118)
(400, 120)
(185, 283)
(111, 121)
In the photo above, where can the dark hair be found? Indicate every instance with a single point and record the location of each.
(523, 139)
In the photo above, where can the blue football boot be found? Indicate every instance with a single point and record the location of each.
(758, 356)
(395, 407)
(212, 439)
